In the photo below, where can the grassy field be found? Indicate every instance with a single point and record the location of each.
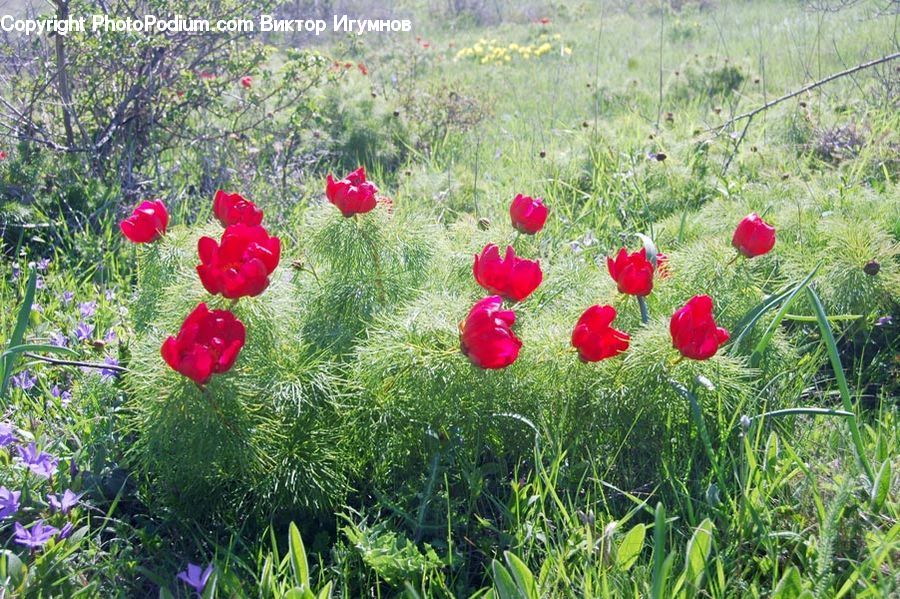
(353, 450)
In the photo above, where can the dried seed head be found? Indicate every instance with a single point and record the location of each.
(871, 268)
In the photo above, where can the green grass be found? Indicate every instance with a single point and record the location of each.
(354, 451)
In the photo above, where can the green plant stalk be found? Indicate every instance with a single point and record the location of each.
(642, 304)
(831, 346)
(809, 411)
(701, 428)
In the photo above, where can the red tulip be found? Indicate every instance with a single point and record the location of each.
(594, 338)
(486, 337)
(233, 209)
(512, 277)
(352, 194)
(694, 332)
(147, 223)
(753, 236)
(528, 214)
(208, 343)
(633, 273)
(247, 82)
(241, 263)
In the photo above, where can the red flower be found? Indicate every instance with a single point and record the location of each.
(694, 332)
(528, 214)
(208, 343)
(662, 266)
(232, 209)
(352, 194)
(240, 265)
(486, 337)
(512, 277)
(594, 338)
(362, 69)
(633, 273)
(207, 75)
(147, 223)
(3, 155)
(753, 236)
(247, 82)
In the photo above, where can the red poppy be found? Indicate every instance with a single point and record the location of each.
(233, 209)
(147, 222)
(633, 273)
(208, 343)
(362, 69)
(486, 336)
(694, 331)
(240, 265)
(753, 236)
(512, 277)
(594, 338)
(528, 214)
(247, 82)
(353, 194)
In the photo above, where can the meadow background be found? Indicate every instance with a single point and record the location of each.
(353, 451)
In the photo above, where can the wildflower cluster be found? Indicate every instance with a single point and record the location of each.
(38, 467)
(493, 52)
(486, 336)
(236, 266)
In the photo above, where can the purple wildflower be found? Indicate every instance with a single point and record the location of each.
(84, 331)
(87, 309)
(63, 395)
(43, 264)
(195, 577)
(42, 464)
(66, 531)
(37, 308)
(109, 373)
(36, 536)
(7, 434)
(24, 380)
(39, 283)
(9, 502)
(110, 336)
(16, 271)
(65, 502)
(58, 339)
(67, 297)
(884, 321)
(110, 295)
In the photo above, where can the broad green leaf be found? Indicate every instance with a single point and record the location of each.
(19, 331)
(697, 553)
(790, 586)
(630, 548)
(325, 591)
(881, 486)
(298, 557)
(504, 586)
(522, 575)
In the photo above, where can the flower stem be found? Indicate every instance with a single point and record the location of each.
(642, 303)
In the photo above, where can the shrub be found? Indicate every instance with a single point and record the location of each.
(265, 435)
